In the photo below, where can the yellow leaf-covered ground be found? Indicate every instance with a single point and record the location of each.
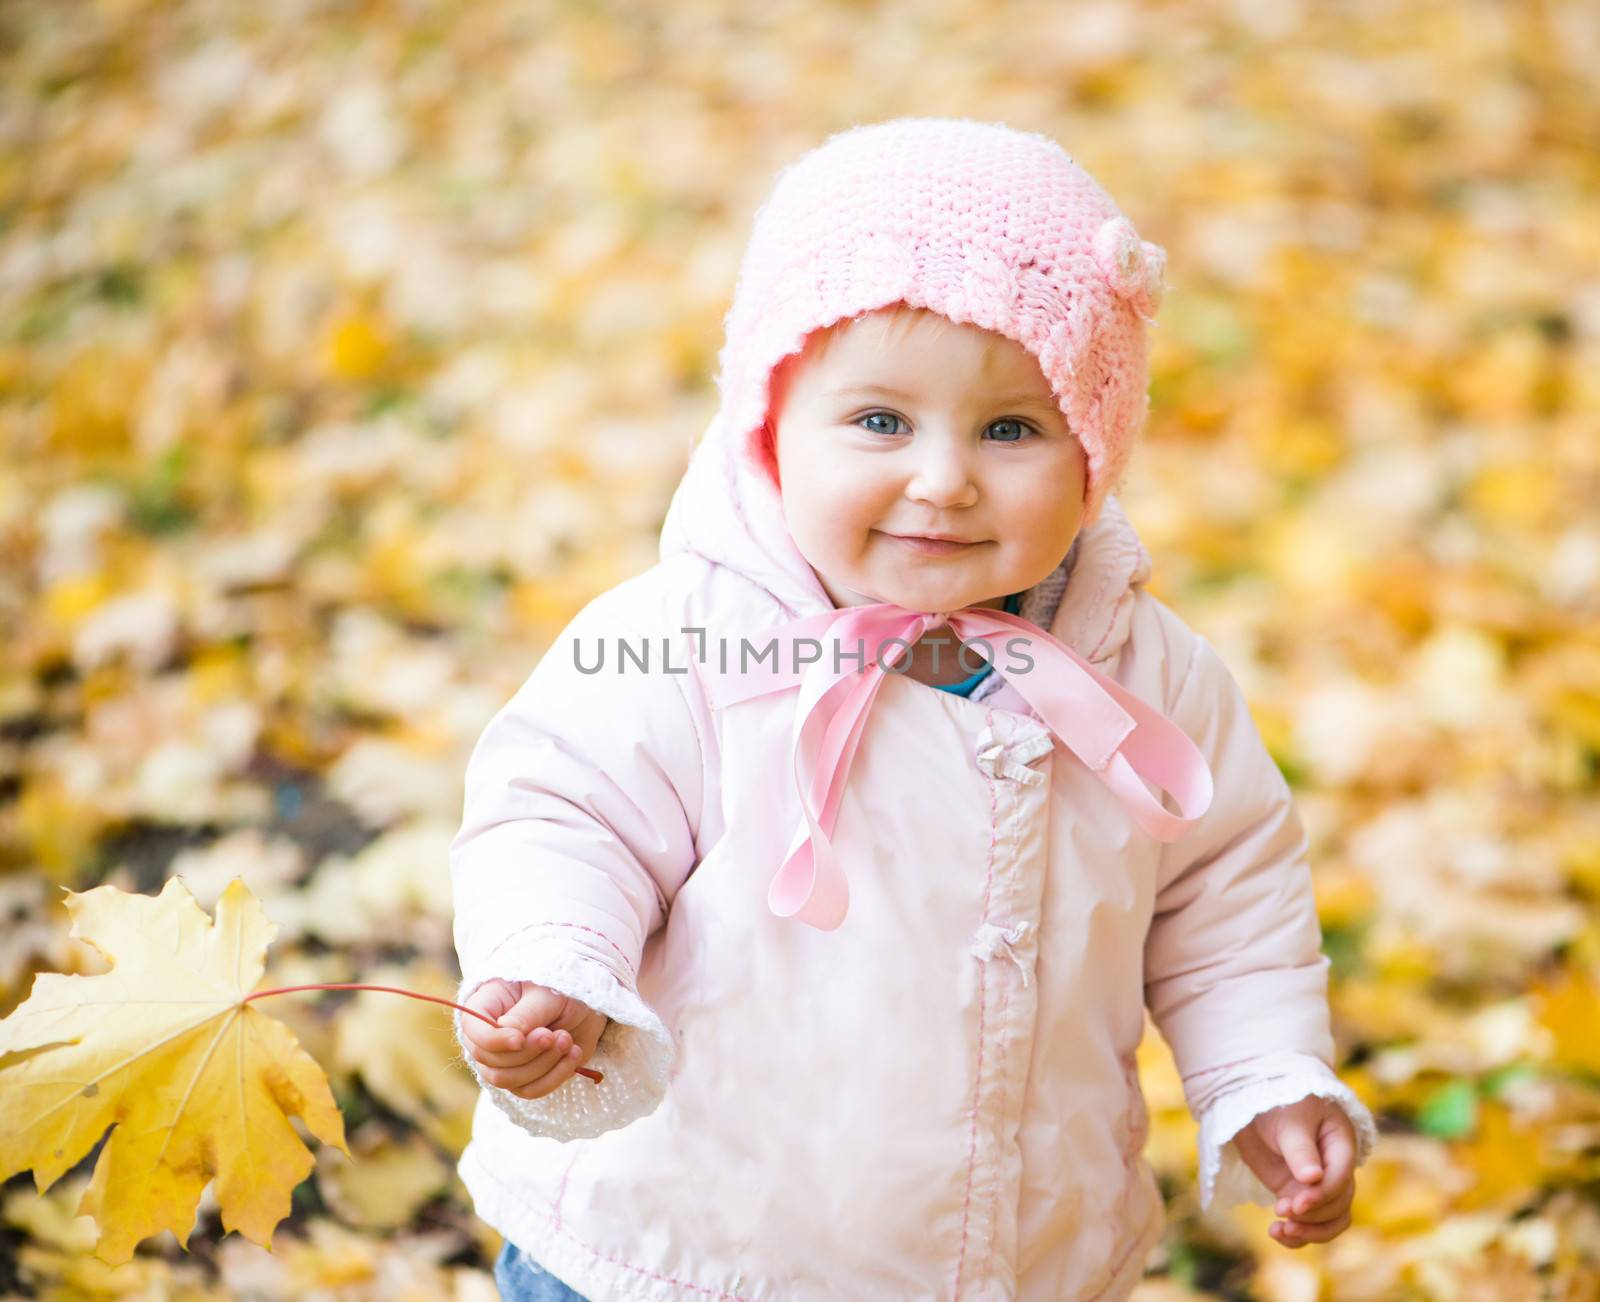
(347, 350)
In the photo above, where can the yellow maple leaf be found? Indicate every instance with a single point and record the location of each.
(1570, 1009)
(195, 1082)
(1505, 1160)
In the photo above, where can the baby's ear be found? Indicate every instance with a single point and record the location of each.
(764, 450)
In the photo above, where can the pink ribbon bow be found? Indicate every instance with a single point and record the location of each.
(1119, 737)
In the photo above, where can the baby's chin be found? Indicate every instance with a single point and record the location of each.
(933, 592)
(928, 585)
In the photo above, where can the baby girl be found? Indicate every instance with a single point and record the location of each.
(819, 877)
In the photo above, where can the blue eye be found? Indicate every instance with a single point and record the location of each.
(887, 415)
(1022, 430)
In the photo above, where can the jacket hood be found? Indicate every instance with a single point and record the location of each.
(728, 512)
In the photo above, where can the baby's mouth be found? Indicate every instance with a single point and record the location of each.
(933, 546)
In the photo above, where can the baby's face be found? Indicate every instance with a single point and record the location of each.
(943, 428)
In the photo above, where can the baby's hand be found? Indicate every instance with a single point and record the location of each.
(543, 1036)
(1305, 1153)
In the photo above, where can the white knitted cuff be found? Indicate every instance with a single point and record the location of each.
(635, 1054)
(1225, 1179)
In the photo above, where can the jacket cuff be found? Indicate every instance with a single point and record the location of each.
(636, 1053)
(1225, 1178)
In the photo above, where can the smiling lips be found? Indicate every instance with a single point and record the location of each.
(931, 546)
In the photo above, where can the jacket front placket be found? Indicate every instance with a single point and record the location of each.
(1013, 752)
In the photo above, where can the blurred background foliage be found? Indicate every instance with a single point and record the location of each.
(347, 349)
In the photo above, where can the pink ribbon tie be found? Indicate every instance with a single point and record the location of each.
(1118, 737)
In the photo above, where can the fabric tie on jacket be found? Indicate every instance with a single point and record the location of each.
(994, 939)
(1118, 737)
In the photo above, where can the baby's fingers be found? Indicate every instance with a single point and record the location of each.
(518, 1076)
(1297, 1233)
(497, 1040)
(1313, 1207)
(1300, 1153)
(534, 1044)
(546, 1082)
(536, 1006)
(1338, 1155)
(1338, 1140)
(492, 998)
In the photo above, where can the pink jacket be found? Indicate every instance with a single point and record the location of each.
(939, 1099)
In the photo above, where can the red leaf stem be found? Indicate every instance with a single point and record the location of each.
(396, 990)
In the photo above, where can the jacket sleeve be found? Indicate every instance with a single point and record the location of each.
(581, 812)
(1235, 977)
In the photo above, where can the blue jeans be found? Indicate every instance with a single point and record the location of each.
(522, 1279)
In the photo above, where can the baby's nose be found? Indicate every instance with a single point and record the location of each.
(943, 477)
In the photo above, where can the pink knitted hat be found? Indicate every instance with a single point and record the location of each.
(976, 221)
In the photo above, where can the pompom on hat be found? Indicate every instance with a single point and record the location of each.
(977, 221)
